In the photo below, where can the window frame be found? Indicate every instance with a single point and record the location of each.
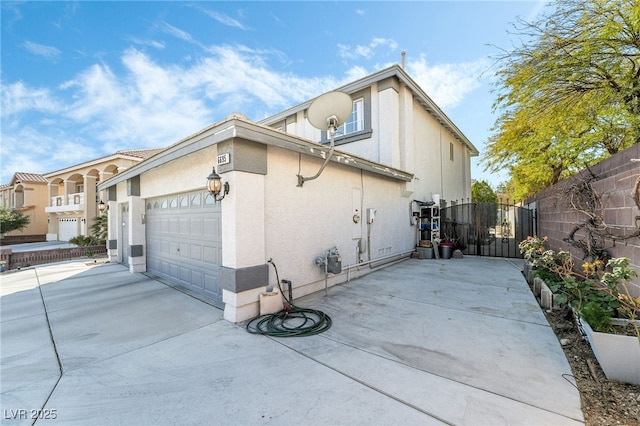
(366, 132)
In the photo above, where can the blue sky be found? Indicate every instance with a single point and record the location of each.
(84, 79)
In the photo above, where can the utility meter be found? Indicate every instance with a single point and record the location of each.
(334, 263)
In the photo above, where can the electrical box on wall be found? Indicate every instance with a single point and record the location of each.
(371, 215)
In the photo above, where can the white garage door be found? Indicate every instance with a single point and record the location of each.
(184, 244)
(67, 228)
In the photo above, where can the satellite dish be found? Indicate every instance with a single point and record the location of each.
(330, 110)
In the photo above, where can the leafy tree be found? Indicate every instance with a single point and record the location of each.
(11, 220)
(481, 192)
(100, 228)
(569, 96)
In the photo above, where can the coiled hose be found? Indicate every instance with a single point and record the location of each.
(291, 321)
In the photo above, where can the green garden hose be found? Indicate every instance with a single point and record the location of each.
(291, 321)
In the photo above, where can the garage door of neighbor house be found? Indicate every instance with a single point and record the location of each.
(67, 228)
(184, 245)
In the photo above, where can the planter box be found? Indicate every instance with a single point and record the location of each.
(547, 298)
(528, 272)
(619, 356)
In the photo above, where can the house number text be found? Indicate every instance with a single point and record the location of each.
(224, 159)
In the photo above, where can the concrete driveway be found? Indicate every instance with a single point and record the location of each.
(422, 342)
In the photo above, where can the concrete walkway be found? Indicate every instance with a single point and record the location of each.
(45, 245)
(422, 342)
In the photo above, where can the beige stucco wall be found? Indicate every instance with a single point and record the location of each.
(435, 172)
(66, 181)
(34, 202)
(301, 223)
(180, 175)
(407, 137)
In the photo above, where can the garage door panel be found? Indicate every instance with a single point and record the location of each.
(174, 248)
(197, 278)
(174, 271)
(185, 274)
(195, 252)
(196, 229)
(212, 255)
(183, 226)
(184, 250)
(174, 225)
(211, 284)
(211, 227)
(184, 243)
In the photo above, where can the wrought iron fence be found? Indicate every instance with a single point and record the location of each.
(487, 229)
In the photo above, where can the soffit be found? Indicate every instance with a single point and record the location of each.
(239, 127)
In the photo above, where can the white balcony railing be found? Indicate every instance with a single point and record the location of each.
(75, 202)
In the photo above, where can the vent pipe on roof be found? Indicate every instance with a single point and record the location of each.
(404, 53)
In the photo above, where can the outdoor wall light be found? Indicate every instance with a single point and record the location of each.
(102, 206)
(215, 186)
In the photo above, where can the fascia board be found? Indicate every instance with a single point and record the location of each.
(273, 137)
(236, 128)
(207, 137)
(393, 71)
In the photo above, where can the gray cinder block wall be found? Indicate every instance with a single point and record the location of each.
(616, 180)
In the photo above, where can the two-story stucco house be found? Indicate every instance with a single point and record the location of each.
(26, 193)
(395, 148)
(71, 201)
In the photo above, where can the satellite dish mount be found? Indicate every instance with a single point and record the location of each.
(328, 112)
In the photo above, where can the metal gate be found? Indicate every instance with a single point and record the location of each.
(487, 229)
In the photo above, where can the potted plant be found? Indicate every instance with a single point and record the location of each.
(608, 316)
(2, 265)
(446, 249)
(606, 312)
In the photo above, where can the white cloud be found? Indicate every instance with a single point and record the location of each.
(355, 73)
(17, 97)
(225, 19)
(49, 52)
(447, 84)
(346, 51)
(176, 32)
(152, 43)
(149, 104)
(33, 149)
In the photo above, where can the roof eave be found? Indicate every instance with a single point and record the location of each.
(393, 71)
(244, 129)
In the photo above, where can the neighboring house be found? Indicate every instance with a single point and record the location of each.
(71, 200)
(26, 193)
(399, 149)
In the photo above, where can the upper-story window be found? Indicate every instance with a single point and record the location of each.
(355, 122)
(358, 125)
